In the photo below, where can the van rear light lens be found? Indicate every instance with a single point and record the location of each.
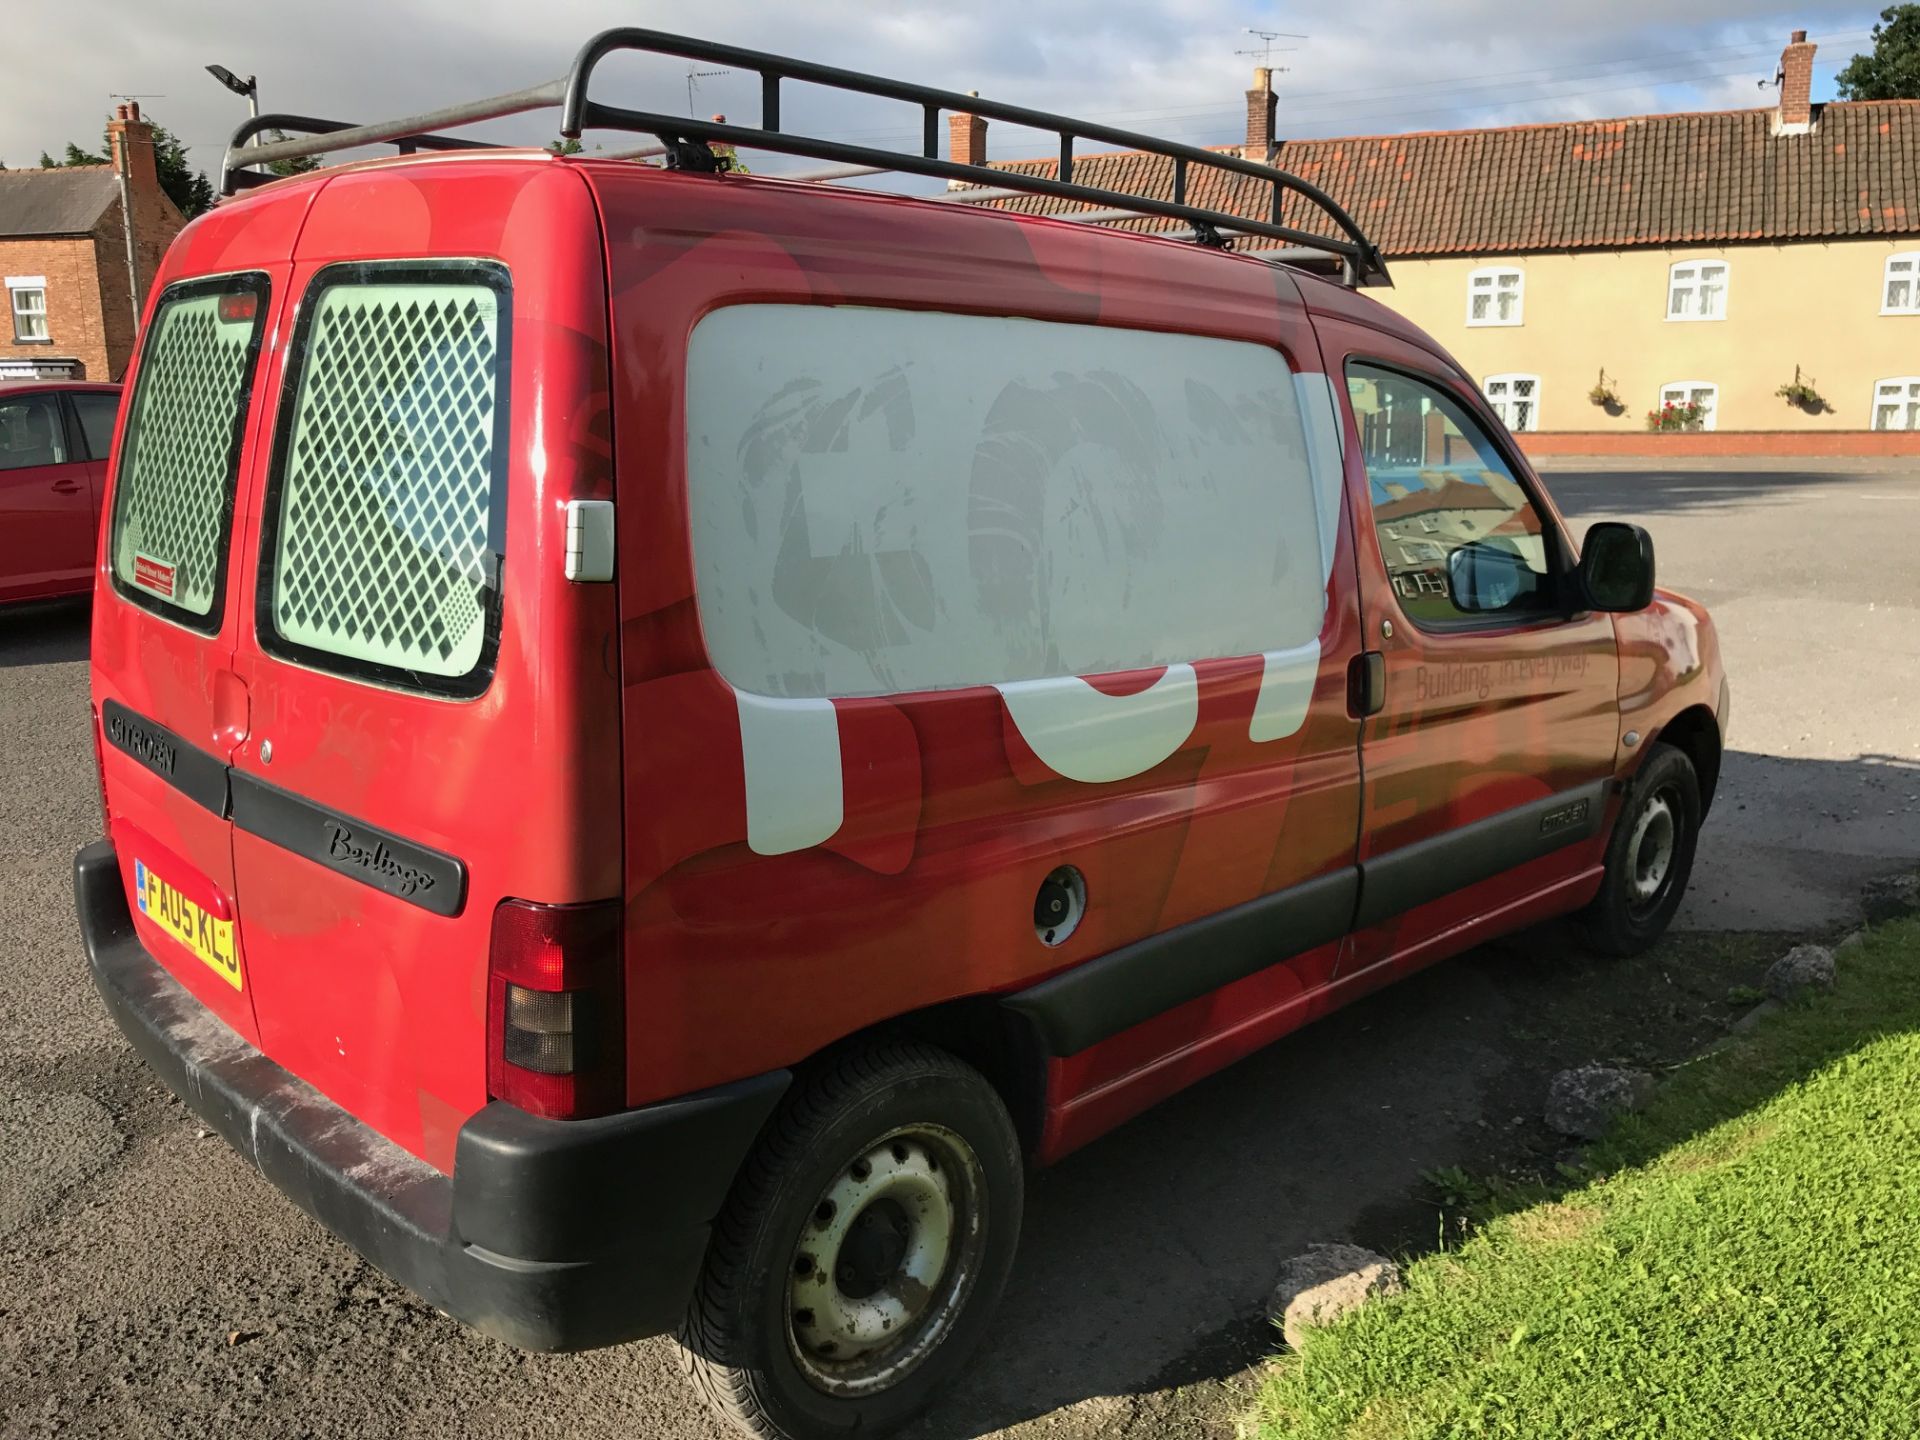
(556, 1024)
(240, 306)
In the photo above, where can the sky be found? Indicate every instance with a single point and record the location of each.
(1168, 67)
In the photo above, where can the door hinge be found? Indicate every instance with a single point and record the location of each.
(589, 540)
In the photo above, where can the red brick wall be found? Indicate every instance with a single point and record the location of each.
(73, 300)
(1750, 443)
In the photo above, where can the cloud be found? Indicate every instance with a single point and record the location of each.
(1165, 66)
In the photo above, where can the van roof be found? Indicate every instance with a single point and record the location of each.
(701, 145)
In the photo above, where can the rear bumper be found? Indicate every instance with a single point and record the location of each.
(549, 1234)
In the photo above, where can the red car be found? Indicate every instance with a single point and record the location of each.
(54, 439)
(665, 732)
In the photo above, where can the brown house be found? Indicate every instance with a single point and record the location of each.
(63, 258)
(1591, 273)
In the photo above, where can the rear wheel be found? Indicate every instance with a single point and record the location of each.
(1649, 858)
(863, 1248)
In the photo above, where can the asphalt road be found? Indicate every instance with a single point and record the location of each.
(151, 1284)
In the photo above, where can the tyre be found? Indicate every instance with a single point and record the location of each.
(865, 1244)
(1649, 858)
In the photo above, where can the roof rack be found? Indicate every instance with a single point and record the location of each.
(684, 144)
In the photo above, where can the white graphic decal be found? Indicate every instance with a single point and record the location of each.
(791, 753)
(1094, 737)
(1286, 689)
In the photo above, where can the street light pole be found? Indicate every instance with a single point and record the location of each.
(249, 87)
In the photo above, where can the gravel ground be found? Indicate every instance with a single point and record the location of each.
(152, 1285)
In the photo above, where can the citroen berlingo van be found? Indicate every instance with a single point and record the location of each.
(665, 733)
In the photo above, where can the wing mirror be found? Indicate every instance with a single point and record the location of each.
(1616, 567)
(1483, 576)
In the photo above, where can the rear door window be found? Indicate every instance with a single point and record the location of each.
(97, 413)
(385, 529)
(173, 506)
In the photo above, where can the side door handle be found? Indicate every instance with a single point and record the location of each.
(1366, 684)
(65, 487)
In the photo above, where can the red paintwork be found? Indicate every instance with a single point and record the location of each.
(50, 514)
(736, 962)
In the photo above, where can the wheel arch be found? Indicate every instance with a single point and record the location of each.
(1695, 732)
(984, 1034)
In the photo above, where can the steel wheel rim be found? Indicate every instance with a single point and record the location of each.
(882, 1266)
(1650, 851)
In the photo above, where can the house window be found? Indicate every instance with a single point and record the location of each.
(1682, 393)
(1900, 295)
(1896, 403)
(1515, 399)
(1496, 296)
(1697, 290)
(28, 297)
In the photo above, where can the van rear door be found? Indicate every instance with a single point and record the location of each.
(167, 703)
(435, 728)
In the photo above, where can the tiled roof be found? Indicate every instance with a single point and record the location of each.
(61, 201)
(1455, 494)
(1650, 180)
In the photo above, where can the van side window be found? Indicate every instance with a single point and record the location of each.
(173, 491)
(1440, 488)
(886, 501)
(382, 553)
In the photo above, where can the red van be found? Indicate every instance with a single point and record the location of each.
(665, 732)
(54, 438)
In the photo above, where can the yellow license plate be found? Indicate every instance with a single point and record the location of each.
(207, 936)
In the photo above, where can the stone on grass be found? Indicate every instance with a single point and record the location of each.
(1853, 941)
(1891, 897)
(1584, 1102)
(1800, 971)
(1324, 1282)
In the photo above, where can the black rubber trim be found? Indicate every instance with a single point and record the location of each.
(1396, 882)
(1091, 1002)
(520, 1242)
(428, 878)
(201, 777)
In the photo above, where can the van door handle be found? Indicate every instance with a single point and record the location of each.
(1366, 684)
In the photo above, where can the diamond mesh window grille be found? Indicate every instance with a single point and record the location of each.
(177, 465)
(383, 553)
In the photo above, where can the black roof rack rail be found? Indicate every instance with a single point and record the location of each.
(685, 143)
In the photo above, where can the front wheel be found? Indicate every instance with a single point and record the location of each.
(862, 1250)
(1649, 858)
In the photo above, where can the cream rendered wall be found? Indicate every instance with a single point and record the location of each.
(1811, 304)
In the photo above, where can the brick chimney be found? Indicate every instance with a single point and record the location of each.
(1260, 113)
(967, 137)
(131, 140)
(1795, 115)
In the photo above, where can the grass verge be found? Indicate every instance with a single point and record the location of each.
(1740, 1261)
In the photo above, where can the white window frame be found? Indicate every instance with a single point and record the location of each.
(1712, 420)
(18, 288)
(1693, 287)
(1910, 260)
(1910, 384)
(1502, 405)
(1493, 274)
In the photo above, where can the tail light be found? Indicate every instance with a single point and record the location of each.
(100, 769)
(556, 1027)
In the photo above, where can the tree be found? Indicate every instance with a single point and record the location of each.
(186, 187)
(298, 165)
(566, 145)
(1892, 71)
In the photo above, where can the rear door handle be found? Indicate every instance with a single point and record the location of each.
(1366, 684)
(65, 487)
